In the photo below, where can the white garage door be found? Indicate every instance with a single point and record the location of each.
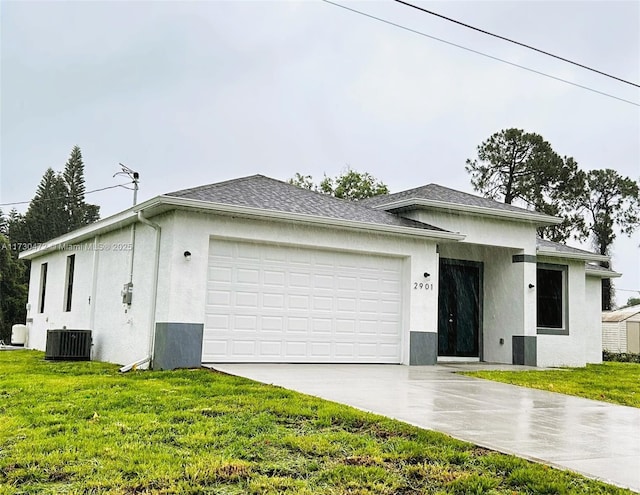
(269, 303)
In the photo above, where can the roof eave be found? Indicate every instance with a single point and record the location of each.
(602, 273)
(119, 220)
(572, 256)
(253, 212)
(524, 216)
(159, 204)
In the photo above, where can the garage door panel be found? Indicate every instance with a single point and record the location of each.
(297, 324)
(217, 322)
(269, 303)
(220, 274)
(271, 348)
(298, 302)
(246, 299)
(274, 278)
(273, 301)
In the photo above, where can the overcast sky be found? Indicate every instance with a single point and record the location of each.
(190, 93)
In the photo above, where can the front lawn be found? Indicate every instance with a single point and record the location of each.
(83, 428)
(610, 381)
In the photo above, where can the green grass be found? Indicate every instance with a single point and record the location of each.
(83, 428)
(618, 383)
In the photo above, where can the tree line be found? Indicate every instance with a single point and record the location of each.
(58, 207)
(521, 168)
(511, 166)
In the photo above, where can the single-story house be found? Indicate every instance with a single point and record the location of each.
(258, 270)
(621, 330)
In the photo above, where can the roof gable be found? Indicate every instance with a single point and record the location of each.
(436, 196)
(558, 250)
(265, 193)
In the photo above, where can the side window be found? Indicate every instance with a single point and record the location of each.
(43, 287)
(68, 292)
(551, 300)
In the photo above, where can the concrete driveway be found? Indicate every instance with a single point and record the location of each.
(596, 439)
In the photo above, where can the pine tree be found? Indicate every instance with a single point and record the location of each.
(13, 290)
(4, 223)
(47, 216)
(80, 213)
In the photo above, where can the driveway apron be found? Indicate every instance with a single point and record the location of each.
(594, 438)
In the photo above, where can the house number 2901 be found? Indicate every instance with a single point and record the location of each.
(422, 286)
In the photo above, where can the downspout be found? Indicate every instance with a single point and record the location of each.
(94, 288)
(154, 296)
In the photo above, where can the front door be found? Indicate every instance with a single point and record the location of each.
(459, 308)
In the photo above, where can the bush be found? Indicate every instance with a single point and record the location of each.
(621, 357)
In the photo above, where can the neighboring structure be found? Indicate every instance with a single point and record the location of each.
(257, 270)
(621, 330)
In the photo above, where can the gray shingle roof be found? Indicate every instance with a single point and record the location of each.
(560, 248)
(258, 191)
(436, 192)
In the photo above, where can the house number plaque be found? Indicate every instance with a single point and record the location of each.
(422, 286)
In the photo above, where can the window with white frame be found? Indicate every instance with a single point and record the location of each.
(43, 287)
(551, 301)
(68, 292)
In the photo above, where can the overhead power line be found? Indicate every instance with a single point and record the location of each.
(370, 16)
(426, 11)
(65, 197)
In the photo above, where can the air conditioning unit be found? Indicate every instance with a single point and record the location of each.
(68, 345)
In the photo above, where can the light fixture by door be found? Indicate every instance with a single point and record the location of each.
(187, 255)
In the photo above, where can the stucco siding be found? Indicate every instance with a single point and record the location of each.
(185, 301)
(593, 326)
(481, 230)
(508, 304)
(54, 315)
(568, 350)
(120, 332)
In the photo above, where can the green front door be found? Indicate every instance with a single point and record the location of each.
(459, 308)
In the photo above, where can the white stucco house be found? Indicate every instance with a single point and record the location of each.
(257, 270)
(621, 330)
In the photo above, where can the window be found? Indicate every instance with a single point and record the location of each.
(43, 287)
(551, 290)
(71, 262)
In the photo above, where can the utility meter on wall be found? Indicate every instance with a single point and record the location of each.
(127, 293)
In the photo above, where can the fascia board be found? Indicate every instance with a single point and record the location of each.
(537, 218)
(601, 273)
(572, 256)
(308, 219)
(160, 204)
(108, 224)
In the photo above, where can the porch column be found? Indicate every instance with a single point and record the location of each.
(524, 345)
(423, 310)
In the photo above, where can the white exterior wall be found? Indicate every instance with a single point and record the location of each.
(568, 350)
(189, 231)
(508, 306)
(120, 333)
(482, 230)
(593, 325)
(54, 317)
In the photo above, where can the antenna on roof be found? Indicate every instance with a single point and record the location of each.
(134, 176)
